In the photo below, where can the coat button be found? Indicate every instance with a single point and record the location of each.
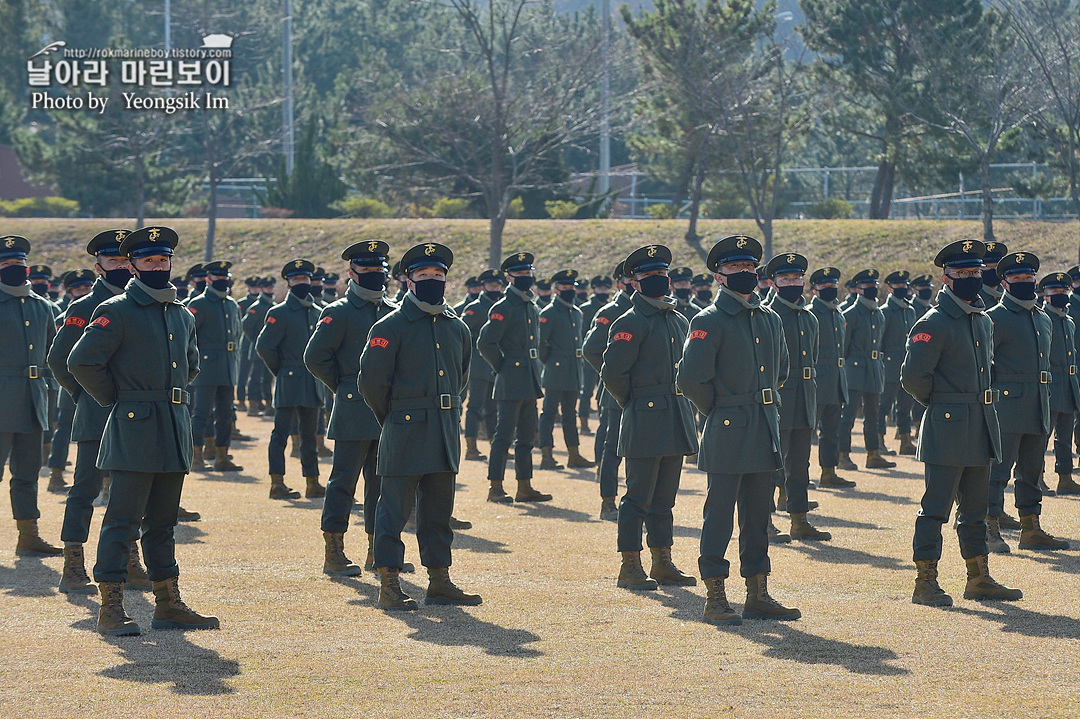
(131, 415)
(28, 323)
(948, 416)
(517, 364)
(436, 345)
(170, 335)
(530, 336)
(32, 347)
(556, 364)
(441, 373)
(762, 368)
(408, 417)
(650, 404)
(174, 365)
(208, 356)
(727, 422)
(804, 353)
(349, 396)
(757, 340)
(1005, 392)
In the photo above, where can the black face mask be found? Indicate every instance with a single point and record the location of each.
(582, 296)
(220, 285)
(430, 290)
(926, 293)
(790, 293)
(200, 285)
(14, 275)
(374, 281)
(828, 294)
(269, 294)
(493, 295)
(330, 294)
(683, 293)
(524, 283)
(704, 295)
(41, 290)
(1022, 290)
(990, 278)
(654, 285)
(181, 292)
(301, 291)
(967, 288)
(742, 282)
(120, 277)
(54, 294)
(155, 279)
(901, 293)
(1061, 301)
(604, 296)
(870, 293)
(567, 296)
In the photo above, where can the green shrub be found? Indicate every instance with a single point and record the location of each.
(449, 208)
(39, 207)
(516, 209)
(561, 209)
(726, 209)
(831, 209)
(363, 207)
(662, 211)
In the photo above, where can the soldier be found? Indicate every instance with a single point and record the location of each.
(852, 295)
(765, 288)
(182, 288)
(40, 276)
(481, 377)
(252, 286)
(217, 327)
(1064, 384)
(473, 288)
(681, 289)
(601, 287)
(403, 281)
(733, 364)
(924, 292)
(702, 286)
(412, 373)
(1022, 372)
(832, 391)
(137, 355)
(798, 395)
(899, 318)
(607, 433)
(260, 383)
(297, 398)
(196, 275)
(657, 428)
(316, 287)
(581, 291)
(55, 285)
(330, 287)
(947, 369)
(510, 342)
(39, 280)
(333, 356)
(991, 289)
(27, 324)
(560, 353)
(865, 370)
(543, 293)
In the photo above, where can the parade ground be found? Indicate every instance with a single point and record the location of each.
(554, 636)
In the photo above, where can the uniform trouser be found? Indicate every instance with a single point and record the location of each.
(350, 457)
(260, 382)
(587, 391)
(53, 405)
(753, 494)
(1062, 423)
(1026, 452)
(433, 497)
(58, 456)
(559, 402)
(285, 418)
(601, 434)
(79, 509)
(149, 500)
(213, 404)
(517, 421)
(829, 437)
(610, 419)
(245, 372)
(481, 406)
(796, 446)
(897, 399)
(969, 485)
(869, 402)
(24, 451)
(651, 486)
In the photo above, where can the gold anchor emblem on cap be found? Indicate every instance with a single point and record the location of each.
(10, 242)
(298, 263)
(966, 247)
(154, 234)
(1019, 256)
(120, 235)
(828, 272)
(989, 245)
(521, 257)
(429, 249)
(791, 258)
(740, 243)
(1060, 277)
(651, 251)
(372, 246)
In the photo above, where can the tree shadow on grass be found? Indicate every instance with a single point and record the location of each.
(188, 533)
(547, 510)
(834, 554)
(452, 626)
(30, 577)
(784, 641)
(474, 543)
(825, 520)
(1065, 562)
(868, 496)
(231, 477)
(1014, 619)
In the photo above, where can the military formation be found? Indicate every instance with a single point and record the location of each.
(740, 371)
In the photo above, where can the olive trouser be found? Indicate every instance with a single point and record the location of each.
(149, 500)
(944, 485)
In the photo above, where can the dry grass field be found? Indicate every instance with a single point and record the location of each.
(554, 637)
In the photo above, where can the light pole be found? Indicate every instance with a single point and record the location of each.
(287, 106)
(605, 98)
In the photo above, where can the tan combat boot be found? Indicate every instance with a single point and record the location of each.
(882, 449)
(170, 612)
(312, 488)
(608, 509)
(829, 478)
(583, 426)
(441, 590)
(980, 585)
(760, 605)
(208, 448)
(186, 515)
(255, 408)
(1032, 536)
(56, 481)
(874, 460)
(802, 529)
(391, 595)
(632, 574)
(575, 460)
(994, 543)
(113, 621)
(776, 536)
(334, 560)
(471, 450)
(294, 445)
(30, 543)
(222, 463)
(197, 459)
(497, 494)
(369, 560)
(278, 490)
(137, 577)
(907, 447)
(526, 493)
(664, 571)
(547, 459)
(927, 592)
(1005, 521)
(321, 448)
(717, 608)
(845, 462)
(74, 580)
(241, 406)
(1066, 485)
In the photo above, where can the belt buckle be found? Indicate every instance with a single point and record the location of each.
(230, 347)
(1044, 377)
(445, 402)
(533, 354)
(807, 372)
(767, 395)
(32, 372)
(988, 396)
(176, 395)
(577, 353)
(839, 361)
(1072, 369)
(874, 354)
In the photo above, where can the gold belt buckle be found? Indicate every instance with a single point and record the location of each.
(445, 402)
(176, 395)
(988, 396)
(1072, 369)
(577, 353)
(807, 372)
(767, 395)
(230, 347)
(874, 354)
(839, 361)
(533, 354)
(1044, 377)
(32, 372)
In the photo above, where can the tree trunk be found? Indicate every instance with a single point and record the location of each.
(987, 198)
(881, 199)
(211, 216)
(692, 236)
(766, 237)
(140, 192)
(495, 230)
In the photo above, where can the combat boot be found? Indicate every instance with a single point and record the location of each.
(907, 447)
(980, 585)
(994, 543)
(664, 571)
(241, 406)
(278, 490)
(583, 426)
(30, 543)
(170, 612)
(882, 449)
(802, 529)
(208, 448)
(776, 536)
(137, 578)
(222, 463)
(829, 478)
(874, 460)
(1007, 522)
(1045, 488)
(321, 448)
(608, 509)
(294, 445)
(255, 409)
(391, 595)
(497, 494)
(1066, 485)
(760, 605)
(781, 499)
(632, 574)
(197, 459)
(186, 515)
(1032, 536)
(113, 621)
(717, 608)
(526, 493)
(456, 523)
(547, 459)
(56, 481)
(313, 488)
(845, 462)
(237, 436)
(576, 461)
(471, 451)
(441, 590)
(74, 580)
(927, 592)
(334, 560)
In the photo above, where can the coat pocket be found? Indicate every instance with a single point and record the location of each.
(950, 412)
(1010, 391)
(651, 404)
(729, 417)
(408, 416)
(133, 411)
